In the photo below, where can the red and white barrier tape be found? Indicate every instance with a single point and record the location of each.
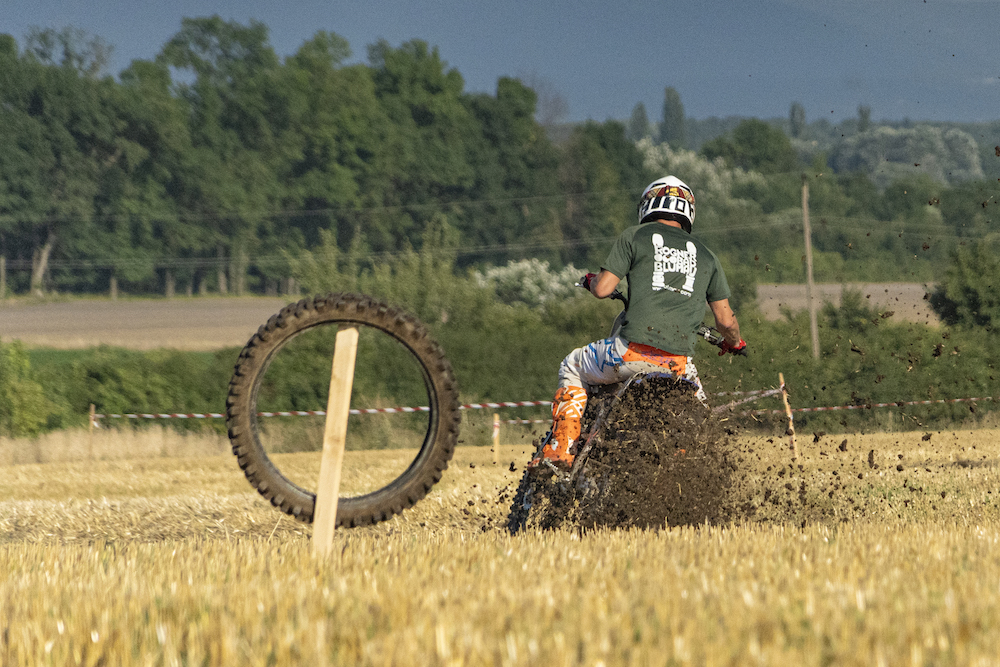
(159, 415)
(316, 413)
(368, 411)
(753, 396)
(763, 393)
(867, 406)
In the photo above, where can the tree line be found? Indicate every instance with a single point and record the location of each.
(203, 168)
(506, 330)
(214, 165)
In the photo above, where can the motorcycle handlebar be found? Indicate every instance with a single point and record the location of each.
(716, 338)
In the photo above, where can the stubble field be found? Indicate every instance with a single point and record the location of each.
(870, 549)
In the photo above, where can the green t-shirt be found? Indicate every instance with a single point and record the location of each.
(671, 276)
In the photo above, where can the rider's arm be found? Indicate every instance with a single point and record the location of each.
(725, 321)
(604, 284)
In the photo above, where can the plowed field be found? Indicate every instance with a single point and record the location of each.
(203, 323)
(209, 323)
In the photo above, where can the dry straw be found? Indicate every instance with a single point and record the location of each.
(175, 561)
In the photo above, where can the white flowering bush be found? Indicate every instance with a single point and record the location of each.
(530, 281)
(888, 154)
(711, 179)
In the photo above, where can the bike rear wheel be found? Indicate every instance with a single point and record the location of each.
(653, 456)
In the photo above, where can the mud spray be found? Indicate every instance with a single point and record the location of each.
(667, 460)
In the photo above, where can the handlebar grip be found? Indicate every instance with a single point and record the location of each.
(717, 339)
(710, 334)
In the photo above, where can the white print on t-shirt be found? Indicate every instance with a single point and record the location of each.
(671, 260)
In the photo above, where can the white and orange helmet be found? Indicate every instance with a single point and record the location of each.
(667, 198)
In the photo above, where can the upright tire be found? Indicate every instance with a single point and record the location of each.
(336, 309)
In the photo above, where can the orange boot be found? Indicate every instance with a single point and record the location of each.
(567, 409)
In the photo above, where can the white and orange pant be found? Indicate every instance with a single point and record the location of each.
(604, 362)
(615, 360)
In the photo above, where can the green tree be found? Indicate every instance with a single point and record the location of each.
(864, 117)
(968, 208)
(887, 154)
(638, 123)
(432, 131)
(754, 145)
(969, 293)
(797, 119)
(23, 407)
(514, 163)
(672, 130)
(71, 48)
(238, 121)
(603, 173)
(137, 209)
(64, 124)
(25, 155)
(341, 134)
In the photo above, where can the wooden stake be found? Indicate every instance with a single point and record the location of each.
(496, 438)
(90, 437)
(334, 438)
(788, 411)
(810, 287)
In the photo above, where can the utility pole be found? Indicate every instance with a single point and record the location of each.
(810, 288)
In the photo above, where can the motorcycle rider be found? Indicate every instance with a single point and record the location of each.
(670, 278)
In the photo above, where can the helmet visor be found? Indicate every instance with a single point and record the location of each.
(663, 191)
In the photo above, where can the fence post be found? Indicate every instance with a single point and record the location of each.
(334, 439)
(496, 438)
(90, 437)
(788, 412)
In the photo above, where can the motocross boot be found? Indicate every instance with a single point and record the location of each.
(560, 446)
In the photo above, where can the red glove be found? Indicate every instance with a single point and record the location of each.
(585, 281)
(740, 349)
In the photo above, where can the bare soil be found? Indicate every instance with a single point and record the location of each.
(199, 323)
(215, 322)
(906, 300)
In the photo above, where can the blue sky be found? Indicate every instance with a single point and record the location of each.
(916, 59)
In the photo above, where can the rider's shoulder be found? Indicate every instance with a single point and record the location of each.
(648, 230)
(671, 235)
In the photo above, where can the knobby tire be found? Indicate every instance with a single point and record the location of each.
(346, 309)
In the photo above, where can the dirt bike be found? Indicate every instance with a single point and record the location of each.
(640, 439)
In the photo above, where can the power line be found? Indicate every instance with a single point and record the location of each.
(282, 260)
(266, 261)
(304, 213)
